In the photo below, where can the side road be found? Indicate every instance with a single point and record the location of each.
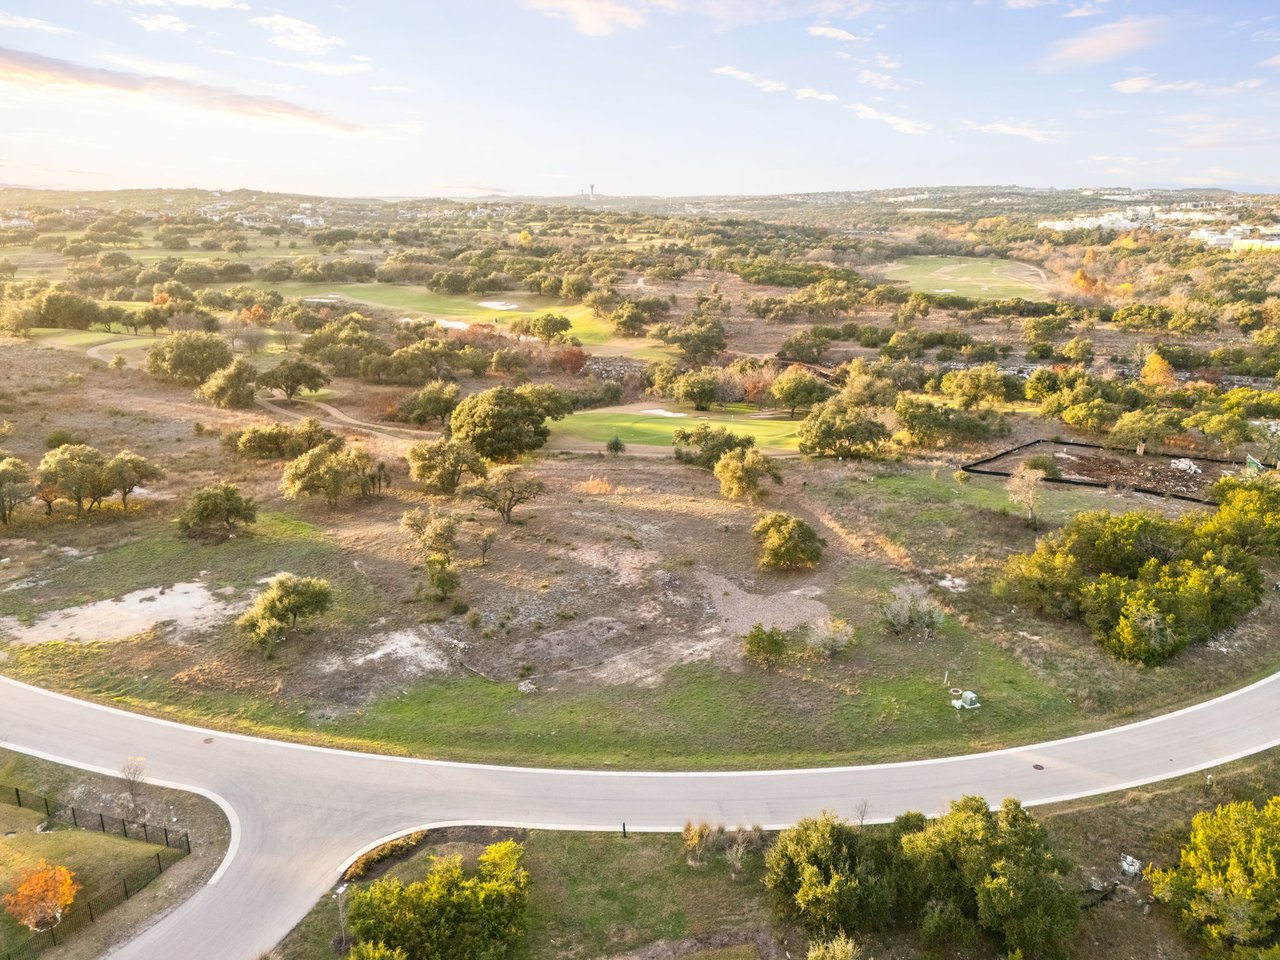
(299, 814)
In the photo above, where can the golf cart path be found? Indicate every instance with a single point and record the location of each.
(300, 813)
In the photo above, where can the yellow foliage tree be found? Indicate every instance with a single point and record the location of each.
(42, 897)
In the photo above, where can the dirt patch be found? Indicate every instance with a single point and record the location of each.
(187, 607)
(737, 611)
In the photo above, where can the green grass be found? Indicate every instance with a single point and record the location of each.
(967, 277)
(420, 301)
(276, 542)
(592, 895)
(650, 430)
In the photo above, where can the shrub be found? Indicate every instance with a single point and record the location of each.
(764, 647)
(216, 512)
(392, 848)
(449, 915)
(912, 610)
(787, 543)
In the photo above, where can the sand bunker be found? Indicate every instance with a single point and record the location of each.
(499, 305)
(188, 607)
(662, 413)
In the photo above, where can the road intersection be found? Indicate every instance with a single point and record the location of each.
(299, 814)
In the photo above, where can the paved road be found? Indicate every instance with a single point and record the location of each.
(299, 814)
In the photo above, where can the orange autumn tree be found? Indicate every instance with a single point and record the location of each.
(42, 897)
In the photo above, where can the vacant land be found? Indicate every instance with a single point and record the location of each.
(621, 594)
(968, 277)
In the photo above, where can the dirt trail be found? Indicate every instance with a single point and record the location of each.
(389, 443)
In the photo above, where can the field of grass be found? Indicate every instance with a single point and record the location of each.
(968, 277)
(599, 426)
(592, 895)
(593, 331)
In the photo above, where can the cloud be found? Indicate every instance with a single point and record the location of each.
(1133, 85)
(392, 88)
(296, 35)
(912, 127)
(322, 68)
(1027, 4)
(1271, 62)
(202, 4)
(834, 33)
(1088, 9)
(1010, 128)
(1105, 42)
(761, 83)
(596, 18)
(17, 66)
(30, 23)
(808, 93)
(887, 62)
(153, 67)
(880, 81)
(163, 23)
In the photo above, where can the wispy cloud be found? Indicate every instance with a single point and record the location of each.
(202, 4)
(761, 83)
(162, 23)
(1105, 42)
(153, 67)
(296, 35)
(1092, 8)
(913, 128)
(833, 33)
(20, 67)
(1144, 84)
(1012, 128)
(808, 93)
(321, 67)
(30, 23)
(1271, 62)
(880, 81)
(596, 18)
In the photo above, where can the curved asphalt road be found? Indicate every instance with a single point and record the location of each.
(299, 814)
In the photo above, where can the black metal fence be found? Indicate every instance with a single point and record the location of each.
(90, 908)
(95, 820)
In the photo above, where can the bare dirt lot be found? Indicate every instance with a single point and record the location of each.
(1123, 469)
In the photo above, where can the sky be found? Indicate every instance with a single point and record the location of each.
(672, 97)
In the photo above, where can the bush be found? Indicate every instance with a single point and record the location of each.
(449, 915)
(387, 851)
(1224, 886)
(764, 647)
(787, 543)
(216, 512)
(277, 609)
(912, 610)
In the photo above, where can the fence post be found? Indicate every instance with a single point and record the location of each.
(145, 836)
(47, 813)
(92, 918)
(125, 881)
(102, 824)
(186, 839)
(74, 821)
(159, 865)
(124, 827)
(18, 793)
(166, 835)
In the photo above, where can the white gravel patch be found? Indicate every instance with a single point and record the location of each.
(414, 653)
(189, 607)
